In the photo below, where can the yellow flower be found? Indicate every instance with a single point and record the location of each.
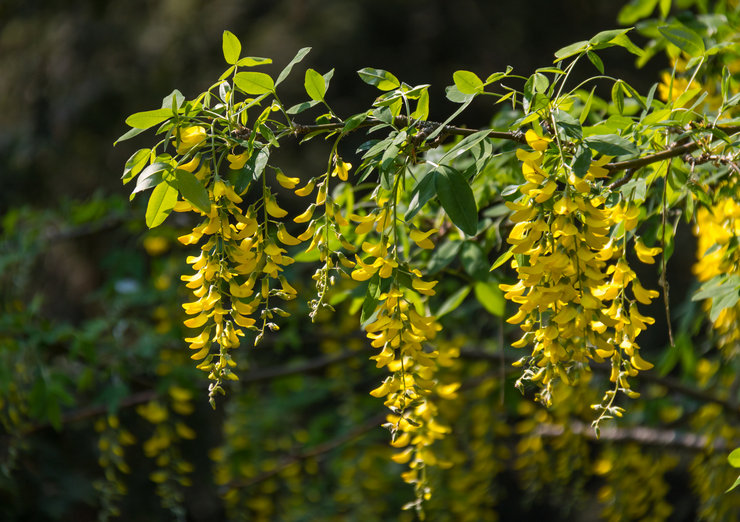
(306, 189)
(285, 181)
(273, 209)
(341, 169)
(285, 237)
(190, 138)
(422, 238)
(237, 161)
(535, 141)
(646, 254)
(306, 215)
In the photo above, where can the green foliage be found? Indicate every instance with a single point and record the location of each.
(560, 216)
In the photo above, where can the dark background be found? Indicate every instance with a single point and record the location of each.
(72, 71)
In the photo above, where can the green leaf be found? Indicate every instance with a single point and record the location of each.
(582, 162)
(618, 96)
(453, 94)
(147, 119)
(232, 47)
(665, 8)
(453, 301)
(683, 38)
(465, 144)
(567, 125)
(636, 10)
(193, 190)
(586, 107)
(300, 55)
(443, 255)
(134, 164)
(315, 85)
(128, 135)
(624, 41)
(541, 83)
(734, 458)
(723, 290)
(353, 122)
(251, 61)
(379, 78)
(611, 145)
(457, 199)
(503, 258)
(173, 100)
(491, 297)
(161, 203)
(150, 176)
(594, 58)
(467, 82)
(734, 485)
(570, 50)
(370, 304)
(300, 107)
(254, 82)
(605, 37)
(252, 170)
(422, 192)
(474, 260)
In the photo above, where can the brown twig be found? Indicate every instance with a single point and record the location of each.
(671, 152)
(316, 451)
(639, 434)
(402, 121)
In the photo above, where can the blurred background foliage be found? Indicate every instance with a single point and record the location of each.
(101, 409)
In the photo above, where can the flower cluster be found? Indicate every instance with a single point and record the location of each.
(163, 446)
(236, 270)
(635, 486)
(400, 332)
(573, 276)
(111, 443)
(717, 230)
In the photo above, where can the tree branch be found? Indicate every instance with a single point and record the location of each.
(639, 434)
(671, 152)
(403, 121)
(316, 451)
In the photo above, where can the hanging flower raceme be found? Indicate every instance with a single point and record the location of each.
(573, 275)
(401, 334)
(238, 270)
(717, 229)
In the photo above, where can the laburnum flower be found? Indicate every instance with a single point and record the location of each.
(573, 276)
(400, 333)
(341, 169)
(717, 229)
(233, 277)
(422, 238)
(237, 161)
(190, 137)
(285, 181)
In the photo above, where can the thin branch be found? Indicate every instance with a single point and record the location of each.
(449, 130)
(663, 273)
(639, 434)
(312, 365)
(671, 152)
(266, 374)
(402, 121)
(316, 451)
